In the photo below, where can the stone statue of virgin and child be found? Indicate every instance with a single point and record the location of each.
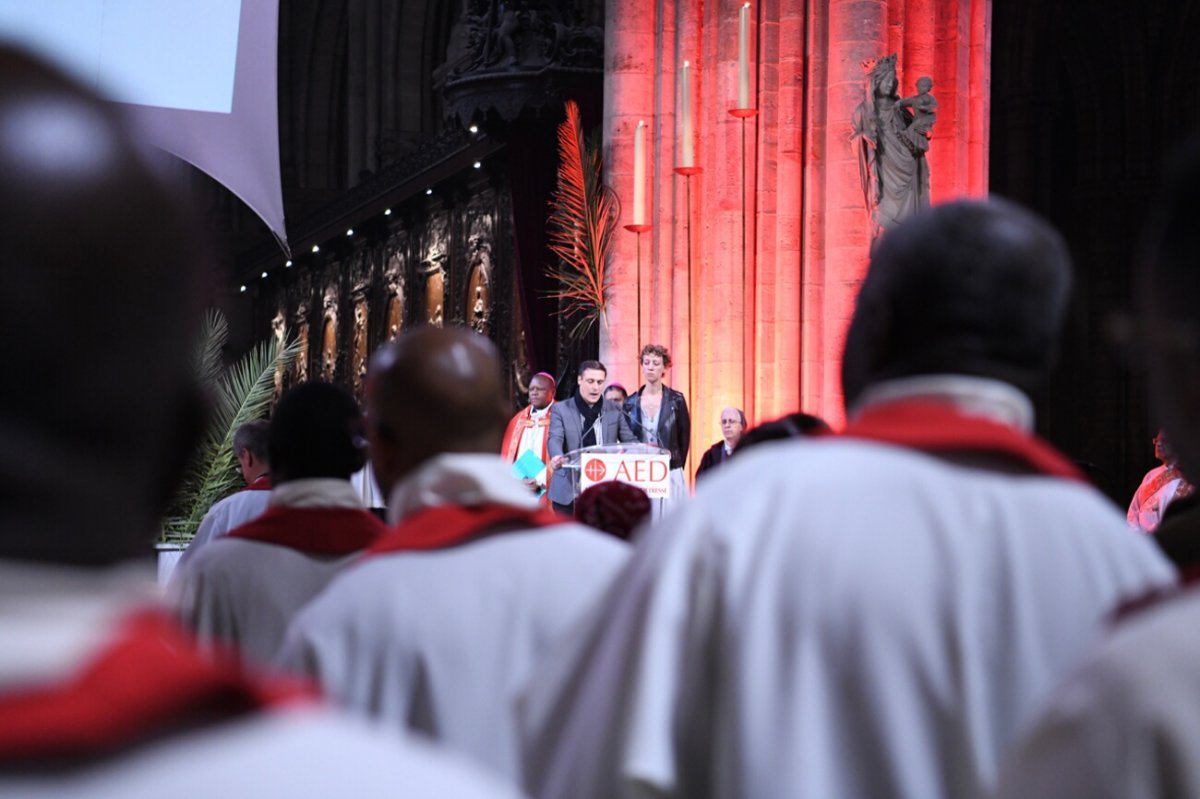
(891, 135)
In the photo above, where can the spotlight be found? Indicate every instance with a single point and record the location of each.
(242, 288)
(316, 248)
(478, 164)
(474, 128)
(264, 274)
(288, 265)
(429, 191)
(349, 231)
(388, 212)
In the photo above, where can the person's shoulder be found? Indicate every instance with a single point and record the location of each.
(301, 753)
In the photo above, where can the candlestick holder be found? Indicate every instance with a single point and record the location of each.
(639, 230)
(688, 172)
(745, 115)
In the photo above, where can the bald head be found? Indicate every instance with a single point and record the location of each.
(974, 288)
(430, 391)
(100, 291)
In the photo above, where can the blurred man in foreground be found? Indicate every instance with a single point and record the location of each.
(101, 695)
(437, 628)
(873, 615)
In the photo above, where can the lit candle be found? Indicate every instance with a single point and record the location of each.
(639, 173)
(685, 128)
(744, 57)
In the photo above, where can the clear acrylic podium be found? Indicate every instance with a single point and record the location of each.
(573, 460)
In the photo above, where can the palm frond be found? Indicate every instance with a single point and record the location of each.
(206, 359)
(583, 217)
(241, 393)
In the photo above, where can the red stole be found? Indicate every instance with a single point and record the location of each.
(149, 679)
(1145, 493)
(445, 526)
(317, 531)
(260, 483)
(938, 427)
(516, 429)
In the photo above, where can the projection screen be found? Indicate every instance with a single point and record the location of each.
(198, 76)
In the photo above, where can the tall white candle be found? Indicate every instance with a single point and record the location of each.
(685, 128)
(639, 173)
(744, 57)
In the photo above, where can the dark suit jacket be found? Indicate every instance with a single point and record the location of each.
(566, 434)
(712, 456)
(674, 426)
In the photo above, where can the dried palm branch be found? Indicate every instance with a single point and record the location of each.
(240, 393)
(583, 217)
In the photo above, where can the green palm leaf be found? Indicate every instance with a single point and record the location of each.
(241, 393)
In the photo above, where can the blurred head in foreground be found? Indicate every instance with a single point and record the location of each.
(101, 286)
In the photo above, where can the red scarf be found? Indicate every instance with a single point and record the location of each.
(147, 680)
(445, 526)
(939, 427)
(260, 483)
(318, 531)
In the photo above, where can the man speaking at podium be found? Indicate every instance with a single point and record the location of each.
(585, 420)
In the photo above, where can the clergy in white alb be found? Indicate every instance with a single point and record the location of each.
(1161, 486)
(253, 457)
(241, 591)
(103, 697)
(439, 625)
(875, 616)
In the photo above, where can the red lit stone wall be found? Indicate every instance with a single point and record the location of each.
(760, 327)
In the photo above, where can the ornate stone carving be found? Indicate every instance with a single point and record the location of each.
(393, 281)
(359, 348)
(479, 281)
(435, 298)
(279, 331)
(517, 53)
(300, 365)
(329, 336)
(891, 143)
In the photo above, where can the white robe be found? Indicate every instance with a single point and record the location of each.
(1146, 509)
(244, 593)
(226, 514)
(1126, 724)
(440, 641)
(52, 619)
(831, 619)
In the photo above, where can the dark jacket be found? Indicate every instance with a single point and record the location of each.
(674, 423)
(714, 456)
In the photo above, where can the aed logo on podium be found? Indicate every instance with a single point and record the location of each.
(648, 472)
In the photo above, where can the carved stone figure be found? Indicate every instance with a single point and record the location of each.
(434, 297)
(329, 336)
(891, 146)
(300, 370)
(358, 353)
(279, 330)
(395, 315)
(478, 318)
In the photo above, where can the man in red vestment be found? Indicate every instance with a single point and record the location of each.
(527, 433)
